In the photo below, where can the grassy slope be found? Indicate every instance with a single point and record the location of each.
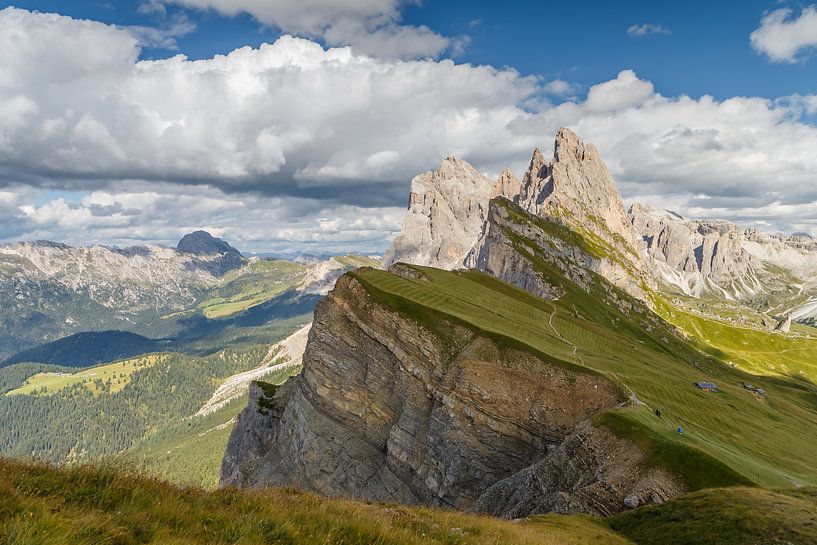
(751, 348)
(190, 452)
(736, 516)
(251, 285)
(40, 505)
(770, 442)
(89, 506)
(119, 374)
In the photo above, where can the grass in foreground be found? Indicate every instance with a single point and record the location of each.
(735, 516)
(41, 505)
(87, 506)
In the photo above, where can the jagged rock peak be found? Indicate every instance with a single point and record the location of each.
(446, 210)
(202, 242)
(507, 186)
(577, 190)
(534, 180)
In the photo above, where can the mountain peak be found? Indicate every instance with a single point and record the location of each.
(446, 210)
(507, 186)
(202, 242)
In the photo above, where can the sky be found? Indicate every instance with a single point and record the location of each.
(293, 127)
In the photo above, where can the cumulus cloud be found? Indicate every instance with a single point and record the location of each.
(295, 142)
(561, 88)
(784, 38)
(370, 26)
(164, 36)
(646, 29)
(289, 117)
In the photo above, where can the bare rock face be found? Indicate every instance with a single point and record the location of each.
(698, 256)
(567, 481)
(387, 410)
(515, 241)
(784, 326)
(447, 224)
(506, 186)
(446, 210)
(577, 190)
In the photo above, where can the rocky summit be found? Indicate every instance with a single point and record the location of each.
(446, 210)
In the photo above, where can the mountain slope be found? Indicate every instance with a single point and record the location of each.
(87, 348)
(578, 394)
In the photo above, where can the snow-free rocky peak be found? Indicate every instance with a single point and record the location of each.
(448, 220)
(576, 188)
(446, 210)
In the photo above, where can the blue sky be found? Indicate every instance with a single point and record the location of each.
(707, 108)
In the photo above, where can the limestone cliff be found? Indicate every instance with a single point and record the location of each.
(576, 190)
(516, 243)
(698, 256)
(387, 409)
(446, 210)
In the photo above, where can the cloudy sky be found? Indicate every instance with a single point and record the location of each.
(292, 127)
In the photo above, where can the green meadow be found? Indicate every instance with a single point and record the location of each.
(117, 375)
(732, 436)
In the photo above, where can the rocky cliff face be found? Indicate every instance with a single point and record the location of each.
(698, 256)
(388, 410)
(719, 258)
(446, 210)
(516, 243)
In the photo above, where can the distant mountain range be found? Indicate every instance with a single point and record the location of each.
(50, 290)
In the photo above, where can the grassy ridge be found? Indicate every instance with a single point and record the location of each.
(770, 442)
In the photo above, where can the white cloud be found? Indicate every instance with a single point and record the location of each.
(561, 88)
(281, 118)
(145, 213)
(269, 144)
(784, 38)
(370, 26)
(646, 29)
(623, 92)
(164, 36)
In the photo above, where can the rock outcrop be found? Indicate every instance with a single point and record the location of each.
(388, 410)
(576, 190)
(448, 222)
(516, 244)
(446, 210)
(698, 256)
(784, 325)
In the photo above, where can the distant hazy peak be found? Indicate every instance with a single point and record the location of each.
(202, 242)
